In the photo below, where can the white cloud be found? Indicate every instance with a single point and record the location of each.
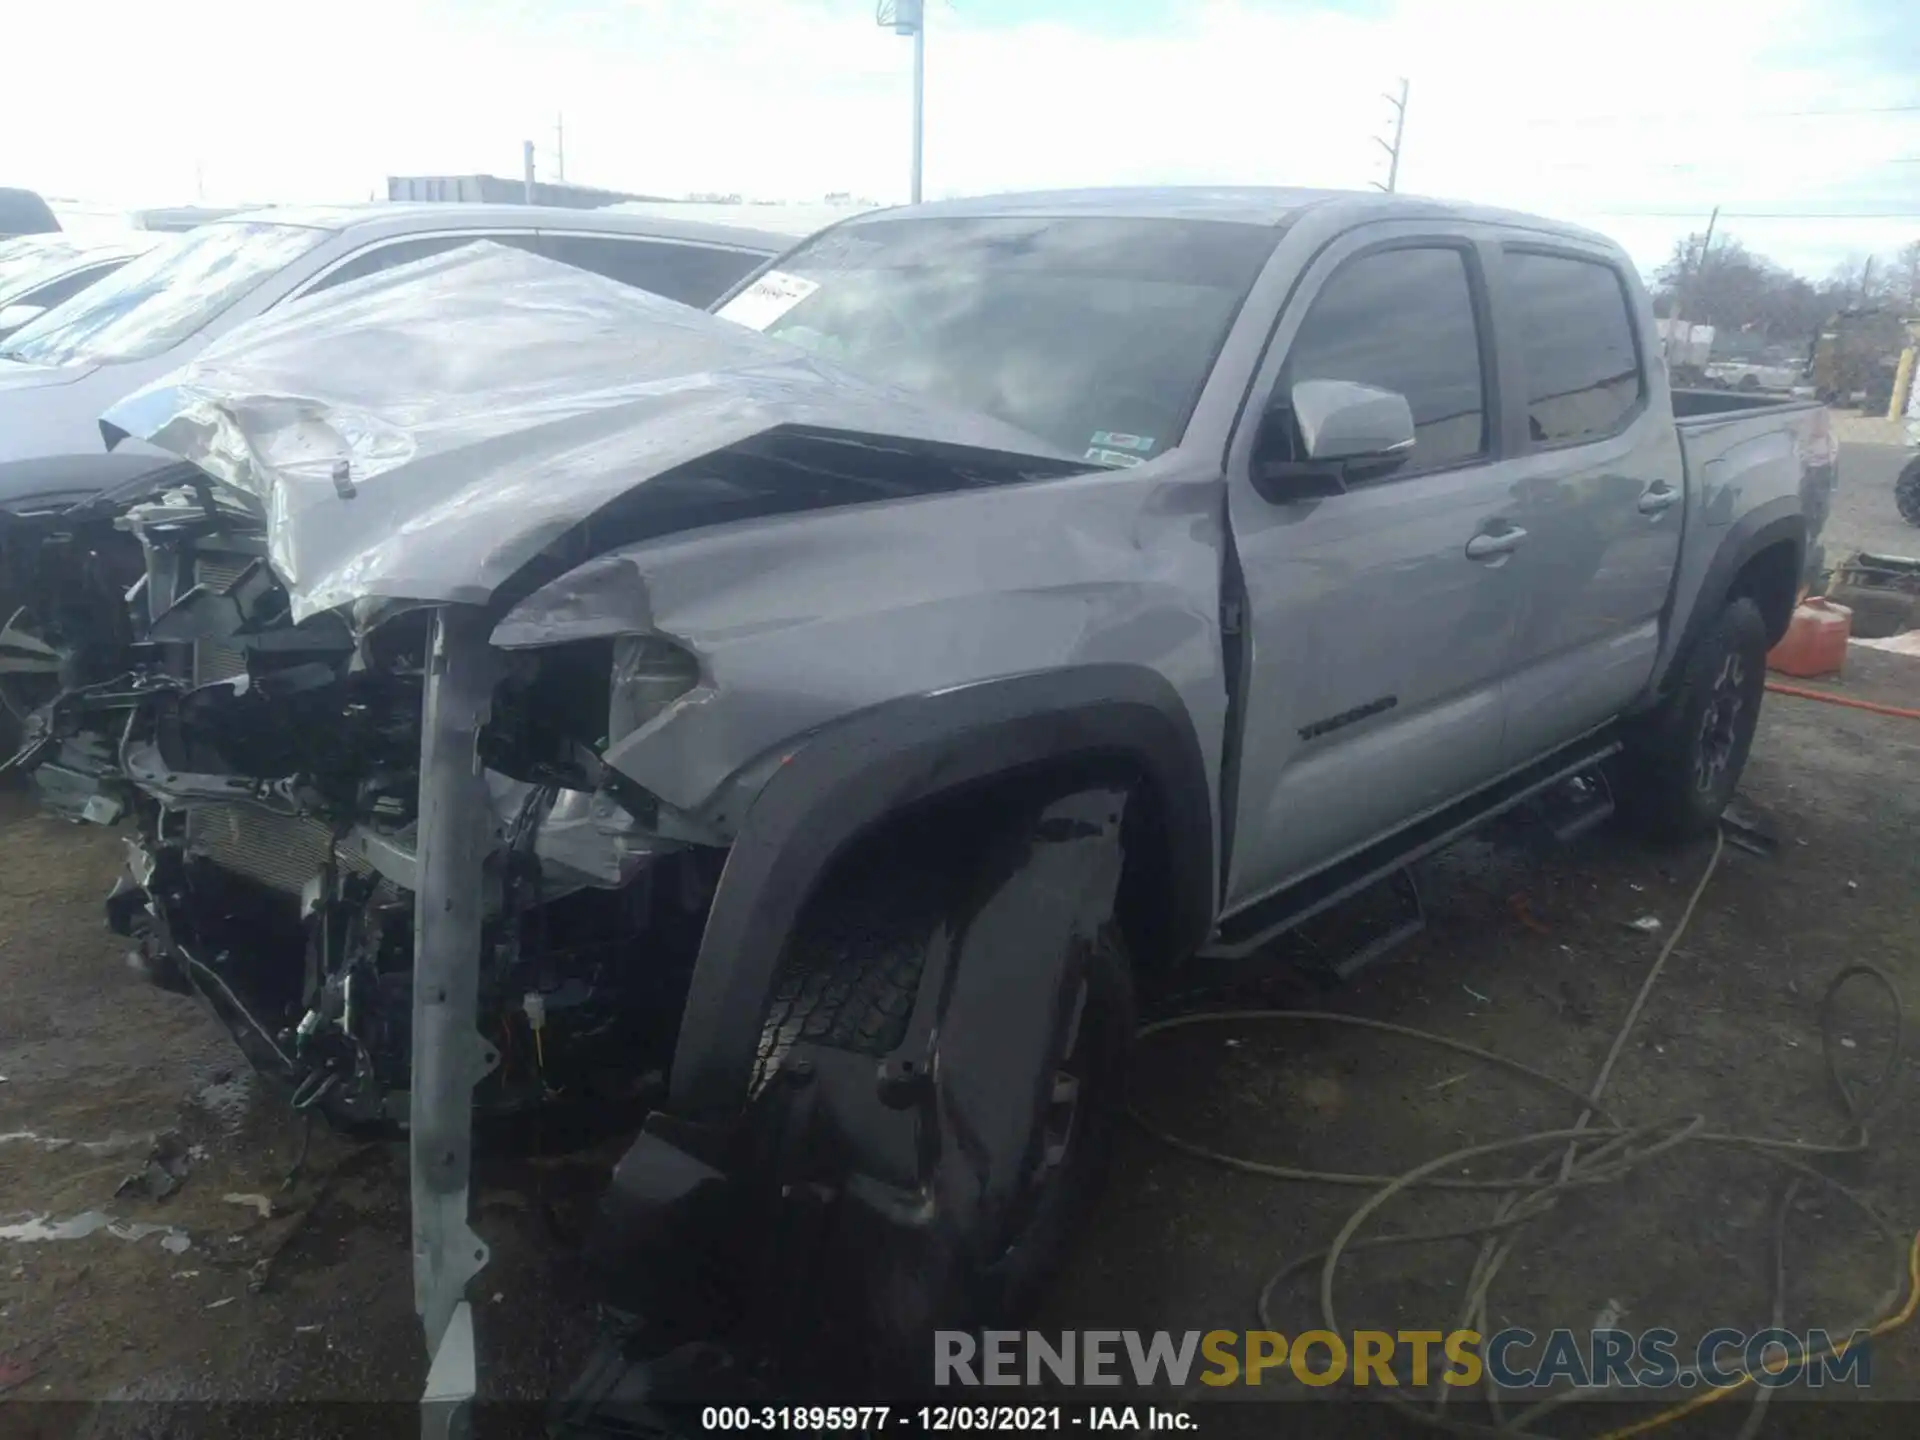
(793, 98)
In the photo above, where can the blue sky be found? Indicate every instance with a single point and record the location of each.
(1635, 116)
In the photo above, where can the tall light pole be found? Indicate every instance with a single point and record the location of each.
(909, 17)
(1399, 103)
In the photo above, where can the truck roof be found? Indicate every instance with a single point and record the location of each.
(385, 217)
(1248, 204)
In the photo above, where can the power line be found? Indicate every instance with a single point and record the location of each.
(1646, 116)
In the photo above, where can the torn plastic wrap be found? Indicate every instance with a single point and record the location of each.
(422, 433)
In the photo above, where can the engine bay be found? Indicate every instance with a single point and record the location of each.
(266, 774)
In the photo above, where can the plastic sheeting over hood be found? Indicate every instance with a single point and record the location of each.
(483, 403)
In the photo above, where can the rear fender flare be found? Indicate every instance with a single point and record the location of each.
(845, 781)
(1766, 526)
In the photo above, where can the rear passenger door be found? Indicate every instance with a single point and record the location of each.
(695, 275)
(1377, 643)
(1599, 474)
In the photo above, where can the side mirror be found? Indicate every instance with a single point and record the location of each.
(1343, 420)
(12, 317)
(1346, 431)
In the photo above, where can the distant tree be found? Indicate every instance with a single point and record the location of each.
(1906, 273)
(1735, 290)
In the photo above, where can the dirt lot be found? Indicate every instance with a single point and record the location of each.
(1528, 953)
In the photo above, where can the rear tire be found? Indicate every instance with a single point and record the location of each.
(1683, 761)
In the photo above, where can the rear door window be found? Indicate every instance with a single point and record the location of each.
(1404, 320)
(68, 286)
(388, 254)
(692, 274)
(1581, 366)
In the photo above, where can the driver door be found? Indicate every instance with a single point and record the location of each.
(1376, 643)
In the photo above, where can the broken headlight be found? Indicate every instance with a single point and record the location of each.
(649, 674)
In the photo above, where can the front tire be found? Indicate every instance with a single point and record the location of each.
(1683, 761)
(849, 983)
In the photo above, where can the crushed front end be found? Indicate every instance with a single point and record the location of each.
(270, 777)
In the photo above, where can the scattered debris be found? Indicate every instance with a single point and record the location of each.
(38, 1228)
(1610, 1316)
(1853, 887)
(307, 1329)
(218, 1303)
(111, 1145)
(259, 1202)
(1646, 924)
(1517, 903)
(1745, 832)
(185, 1274)
(1450, 1080)
(1484, 999)
(163, 1173)
(1848, 1043)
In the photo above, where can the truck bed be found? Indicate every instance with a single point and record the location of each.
(1696, 407)
(1749, 455)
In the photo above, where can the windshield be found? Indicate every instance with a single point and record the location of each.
(161, 298)
(1095, 334)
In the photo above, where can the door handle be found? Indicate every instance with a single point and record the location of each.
(1658, 498)
(1491, 547)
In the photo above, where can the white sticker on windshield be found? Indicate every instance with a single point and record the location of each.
(767, 299)
(1113, 457)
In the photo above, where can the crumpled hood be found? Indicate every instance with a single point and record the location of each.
(485, 402)
(19, 375)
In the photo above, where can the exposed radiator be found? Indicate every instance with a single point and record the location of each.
(218, 662)
(278, 851)
(275, 850)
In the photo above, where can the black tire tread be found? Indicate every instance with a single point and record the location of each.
(1906, 492)
(1653, 780)
(853, 967)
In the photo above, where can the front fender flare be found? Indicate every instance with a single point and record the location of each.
(844, 781)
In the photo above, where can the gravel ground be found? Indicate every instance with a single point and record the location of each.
(1528, 952)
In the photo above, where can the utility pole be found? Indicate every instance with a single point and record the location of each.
(1684, 292)
(1399, 103)
(560, 147)
(526, 160)
(909, 17)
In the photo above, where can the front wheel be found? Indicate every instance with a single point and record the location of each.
(1906, 492)
(1683, 761)
(849, 983)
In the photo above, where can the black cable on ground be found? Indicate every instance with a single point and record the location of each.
(1582, 1156)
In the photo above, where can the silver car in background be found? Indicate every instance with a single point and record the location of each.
(38, 272)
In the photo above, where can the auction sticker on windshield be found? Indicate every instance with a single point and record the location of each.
(767, 299)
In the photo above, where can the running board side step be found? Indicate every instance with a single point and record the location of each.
(1247, 930)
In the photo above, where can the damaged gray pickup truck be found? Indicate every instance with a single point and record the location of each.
(851, 705)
